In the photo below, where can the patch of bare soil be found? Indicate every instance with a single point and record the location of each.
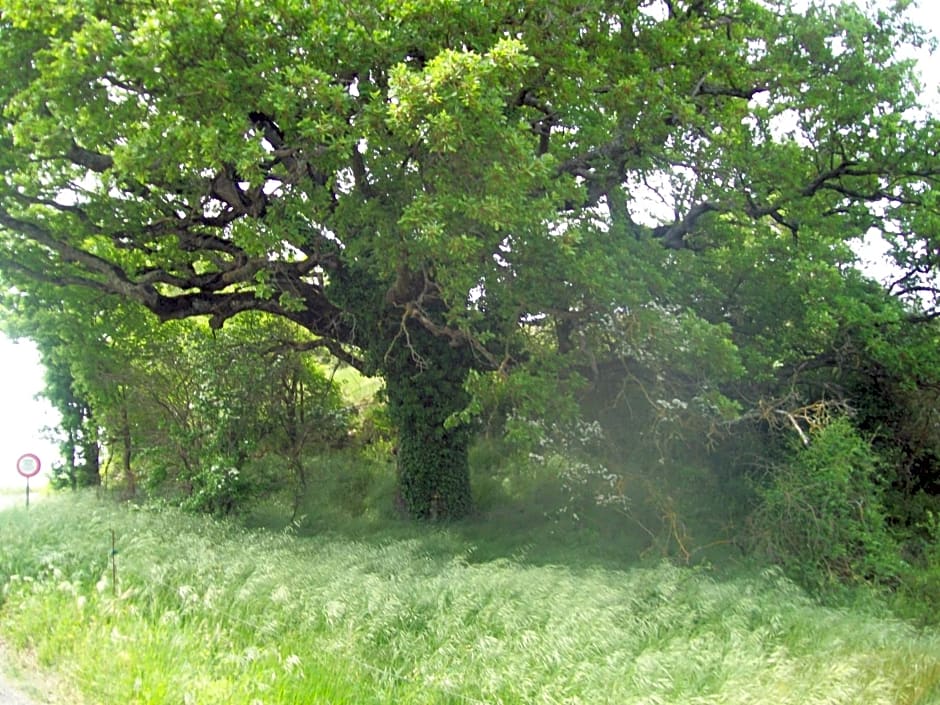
(24, 683)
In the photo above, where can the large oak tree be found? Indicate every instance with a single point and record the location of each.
(428, 187)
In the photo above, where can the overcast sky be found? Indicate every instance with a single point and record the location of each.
(23, 417)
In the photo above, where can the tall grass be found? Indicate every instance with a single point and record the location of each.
(204, 612)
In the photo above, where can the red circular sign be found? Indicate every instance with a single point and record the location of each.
(28, 465)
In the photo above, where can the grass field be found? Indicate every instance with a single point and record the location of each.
(207, 612)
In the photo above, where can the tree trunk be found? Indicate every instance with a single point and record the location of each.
(91, 467)
(433, 471)
(70, 454)
(127, 451)
(424, 379)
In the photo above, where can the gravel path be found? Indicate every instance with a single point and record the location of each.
(10, 696)
(10, 693)
(22, 682)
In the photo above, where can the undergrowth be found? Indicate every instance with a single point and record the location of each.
(207, 612)
(822, 514)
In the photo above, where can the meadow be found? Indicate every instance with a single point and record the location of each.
(186, 609)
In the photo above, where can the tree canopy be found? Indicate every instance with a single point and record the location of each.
(443, 190)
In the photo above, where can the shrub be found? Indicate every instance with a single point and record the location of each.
(918, 594)
(820, 512)
(217, 489)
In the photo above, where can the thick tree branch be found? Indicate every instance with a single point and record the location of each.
(89, 159)
(290, 158)
(225, 187)
(673, 236)
(703, 88)
(541, 126)
(53, 277)
(111, 276)
(215, 294)
(843, 168)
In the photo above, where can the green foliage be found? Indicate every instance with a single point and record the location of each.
(821, 511)
(230, 399)
(216, 490)
(894, 384)
(207, 612)
(918, 592)
(550, 191)
(348, 492)
(179, 409)
(81, 445)
(606, 494)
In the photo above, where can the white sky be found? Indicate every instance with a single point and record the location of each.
(25, 420)
(22, 416)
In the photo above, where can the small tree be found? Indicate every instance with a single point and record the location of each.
(80, 447)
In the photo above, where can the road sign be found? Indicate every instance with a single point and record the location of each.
(28, 465)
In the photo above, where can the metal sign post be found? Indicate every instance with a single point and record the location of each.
(28, 466)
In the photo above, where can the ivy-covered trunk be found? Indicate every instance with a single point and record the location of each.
(424, 377)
